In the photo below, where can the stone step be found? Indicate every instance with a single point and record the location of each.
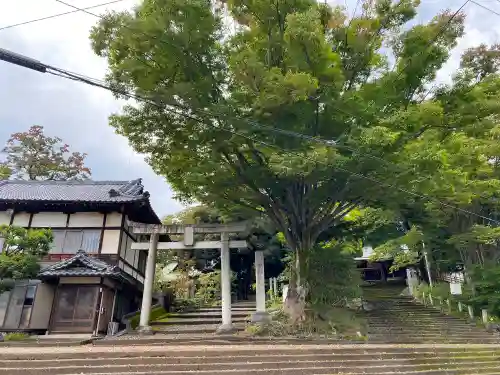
(196, 321)
(357, 360)
(278, 368)
(195, 328)
(267, 347)
(417, 340)
(234, 310)
(217, 313)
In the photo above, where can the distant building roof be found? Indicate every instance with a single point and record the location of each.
(83, 265)
(95, 194)
(83, 191)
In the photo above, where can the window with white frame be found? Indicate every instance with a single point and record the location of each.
(71, 240)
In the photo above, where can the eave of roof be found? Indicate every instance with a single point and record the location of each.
(114, 194)
(80, 265)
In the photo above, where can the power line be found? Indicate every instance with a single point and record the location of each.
(485, 7)
(57, 15)
(66, 74)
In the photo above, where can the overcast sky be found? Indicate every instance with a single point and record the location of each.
(79, 113)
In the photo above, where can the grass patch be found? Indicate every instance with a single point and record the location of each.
(322, 322)
(156, 313)
(16, 336)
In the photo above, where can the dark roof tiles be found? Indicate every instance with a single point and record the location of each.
(83, 191)
(82, 265)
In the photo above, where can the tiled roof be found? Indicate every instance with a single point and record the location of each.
(70, 191)
(82, 265)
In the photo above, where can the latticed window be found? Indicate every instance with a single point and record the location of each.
(70, 241)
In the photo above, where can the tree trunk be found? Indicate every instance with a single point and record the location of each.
(295, 302)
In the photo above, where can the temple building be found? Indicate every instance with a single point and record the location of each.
(92, 275)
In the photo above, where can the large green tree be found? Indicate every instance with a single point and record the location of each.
(457, 164)
(216, 72)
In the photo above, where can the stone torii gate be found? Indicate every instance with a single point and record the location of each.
(188, 232)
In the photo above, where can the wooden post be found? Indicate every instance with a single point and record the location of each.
(460, 306)
(448, 303)
(430, 299)
(423, 298)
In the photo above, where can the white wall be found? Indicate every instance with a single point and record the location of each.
(86, 219)
(21, 219)
(5, 217)
(49, 220)
(114, 219)
(110, 241)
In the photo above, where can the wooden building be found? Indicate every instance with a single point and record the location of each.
(91, 276)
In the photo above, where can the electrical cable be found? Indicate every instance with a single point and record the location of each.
(57, 15)
(485, 7)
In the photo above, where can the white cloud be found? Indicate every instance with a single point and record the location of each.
(76, 112)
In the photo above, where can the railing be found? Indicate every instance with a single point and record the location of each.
(447, 306)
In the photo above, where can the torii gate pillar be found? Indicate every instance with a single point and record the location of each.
(189, 243)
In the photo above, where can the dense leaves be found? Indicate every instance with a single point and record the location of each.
(32, 155)
(223, 77)
(22, 251)
(4, 172)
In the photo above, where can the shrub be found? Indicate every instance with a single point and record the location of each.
(186, 304)
(331, 322)
(208, 290)
(332, 277)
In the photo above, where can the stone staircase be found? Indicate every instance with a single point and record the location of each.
(397, 319)
(204, 321)
(404, 338)
(255, 360)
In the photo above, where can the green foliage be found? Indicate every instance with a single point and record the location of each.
(5, 172)
(194, 215)
(23, 249)
(32, 155)
(324, 322)
(156, 313)
(16, 336)
(186, 304)
(332, 277)
(486, 281)
(404, 250)
(208, 289)
(358, 82)
(300, 67)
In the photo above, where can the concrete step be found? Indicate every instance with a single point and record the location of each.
(268, 348)
(195, 328)
(217, 313)
(391, 358)
(275, 368)
(197, 321)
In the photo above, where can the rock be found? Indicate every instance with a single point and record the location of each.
(367, 306)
